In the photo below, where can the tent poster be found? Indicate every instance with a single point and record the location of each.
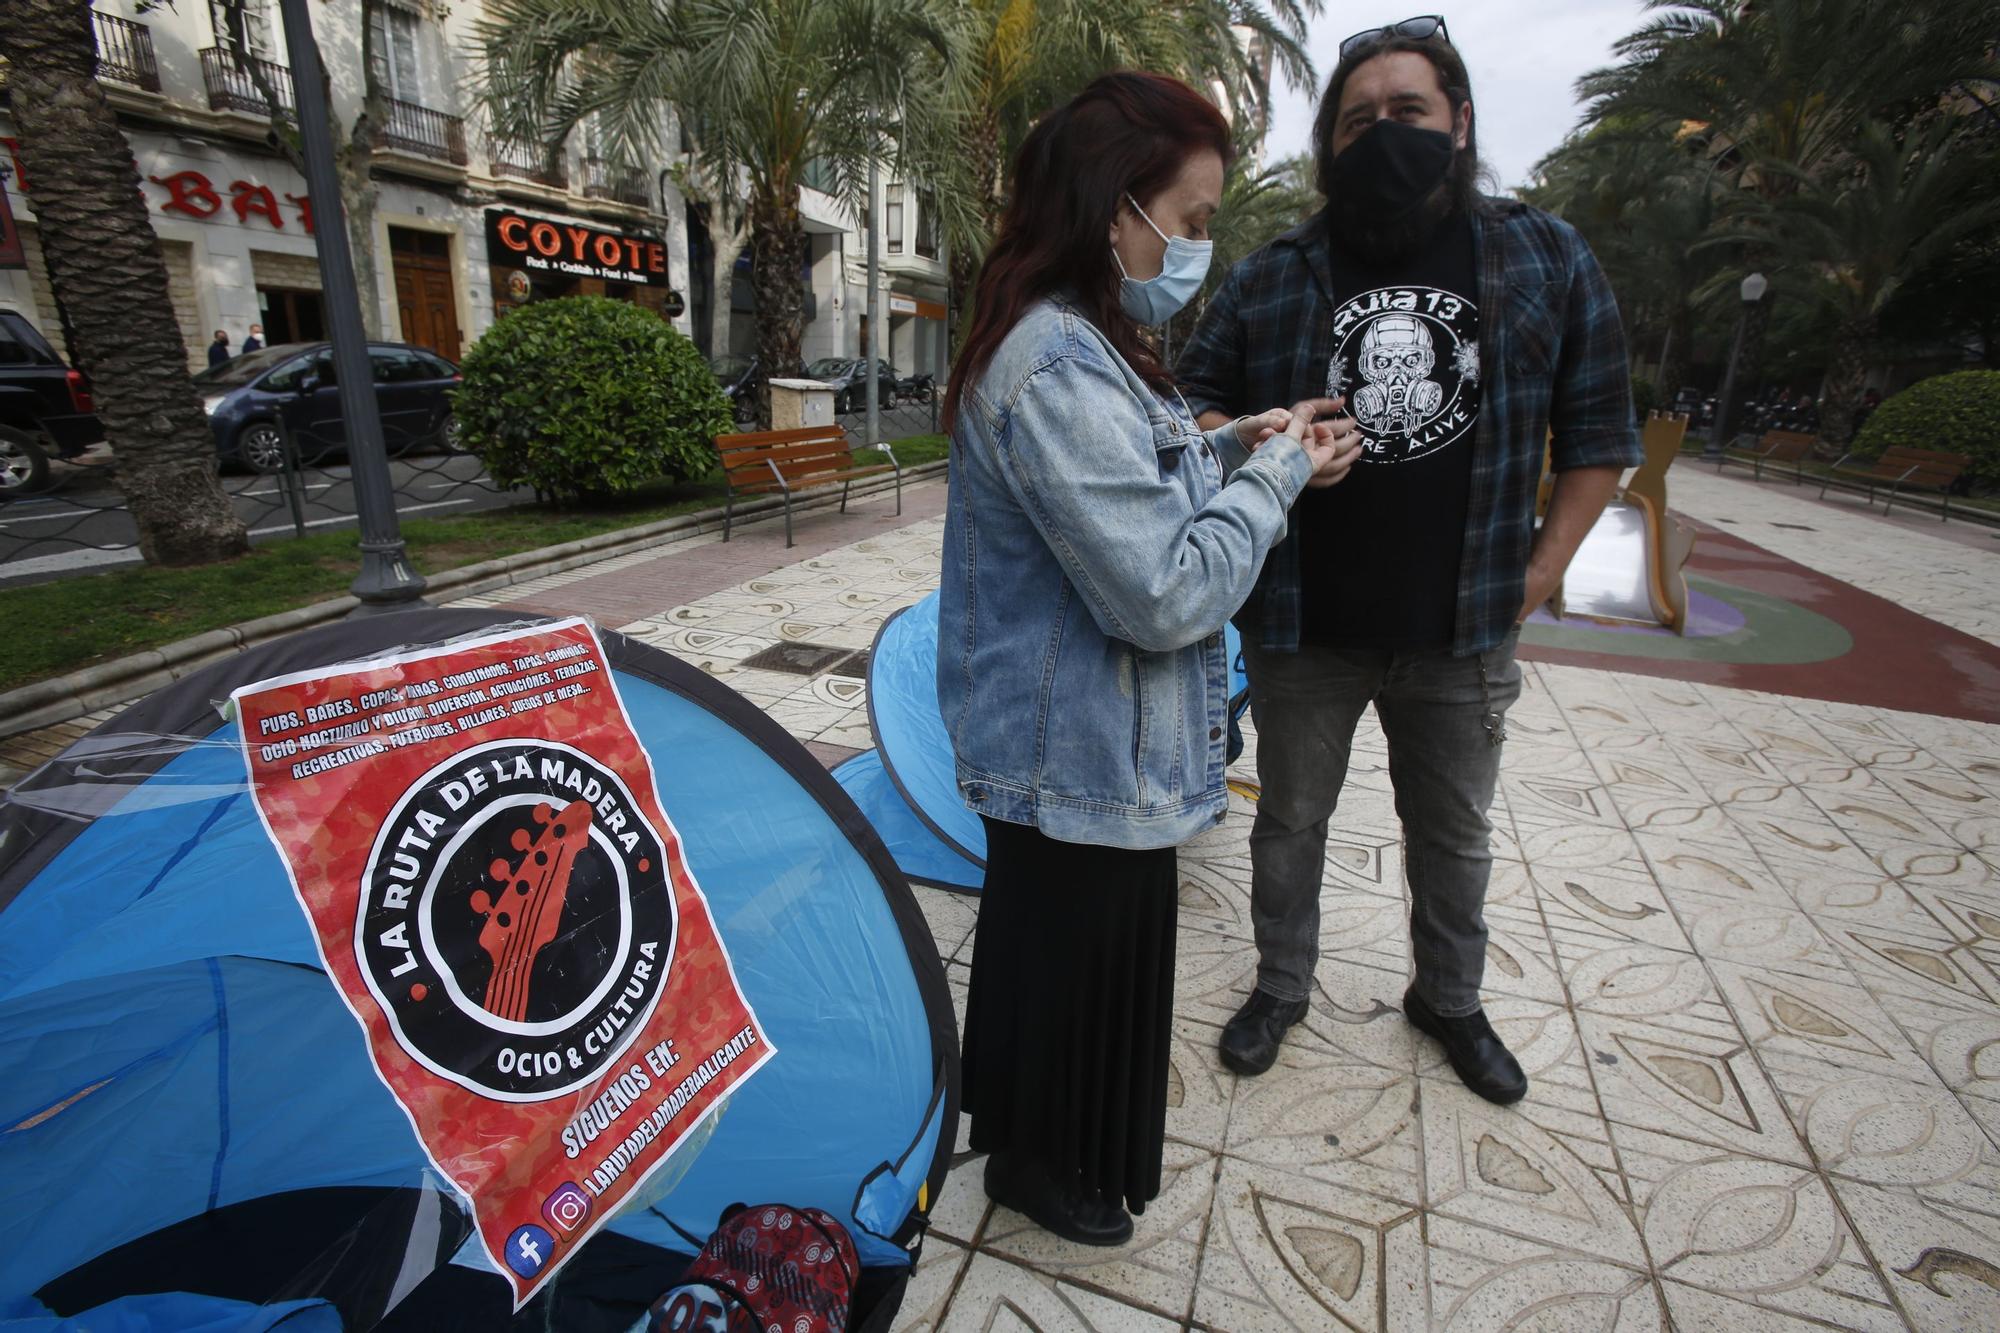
(502, 902)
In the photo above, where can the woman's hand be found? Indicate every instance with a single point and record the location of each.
(1331, 444)
(1254, 430)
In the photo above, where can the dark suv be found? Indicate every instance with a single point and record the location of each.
(45, 407)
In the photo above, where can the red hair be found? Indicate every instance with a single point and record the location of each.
(1127, 133)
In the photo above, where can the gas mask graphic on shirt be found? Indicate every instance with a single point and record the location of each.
(1396, 359)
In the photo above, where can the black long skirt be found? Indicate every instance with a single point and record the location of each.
(1072, 1008)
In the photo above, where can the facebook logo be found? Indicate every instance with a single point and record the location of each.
(529, 1250)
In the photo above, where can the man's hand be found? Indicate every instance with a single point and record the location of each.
(1579, 497)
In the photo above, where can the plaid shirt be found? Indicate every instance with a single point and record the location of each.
(1552, 356)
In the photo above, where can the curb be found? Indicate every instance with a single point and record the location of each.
(59, 699)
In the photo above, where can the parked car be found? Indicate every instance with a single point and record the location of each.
(848, 378)
(738, 377)
(46, 410)
(295, 383)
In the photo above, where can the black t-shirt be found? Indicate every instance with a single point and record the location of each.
(1379, 553)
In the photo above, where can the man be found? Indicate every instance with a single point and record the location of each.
(255, 342)
(218, 351)
(1462, 331)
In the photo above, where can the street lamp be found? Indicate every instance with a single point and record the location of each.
(1752, 292)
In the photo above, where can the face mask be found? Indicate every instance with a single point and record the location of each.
(1156, 300)
(1392, 168)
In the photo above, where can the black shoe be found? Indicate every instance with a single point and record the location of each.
(1477, 1055)
(1250, 1042)
(1018, 1182)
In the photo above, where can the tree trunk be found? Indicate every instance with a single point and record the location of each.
(1845, 377)
(982, 149)
(106, 267)
(1674, 356)
(724, 248)
(778, 248)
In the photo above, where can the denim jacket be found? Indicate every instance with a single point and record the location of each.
(1092, 554)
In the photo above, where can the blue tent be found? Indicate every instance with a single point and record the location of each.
(187, 1107)
(907, 785)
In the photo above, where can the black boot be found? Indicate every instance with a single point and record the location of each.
(1478, 1056)
(1250, 1042)
(1016, 1181)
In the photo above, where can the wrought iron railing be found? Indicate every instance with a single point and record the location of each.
(125, 52)
(528, 162)
(625, 187)
(410, 128)
(232, 87)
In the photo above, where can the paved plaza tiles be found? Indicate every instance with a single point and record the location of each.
(1745, 926)
(1745, 936)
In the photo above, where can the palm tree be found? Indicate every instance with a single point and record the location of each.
(762, 88)
(1900, 206)
(106, 268)
(1030, 55)
(1775, 89)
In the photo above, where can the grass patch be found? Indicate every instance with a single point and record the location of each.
(96, 617)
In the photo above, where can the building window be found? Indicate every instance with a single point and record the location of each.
(927, 225)
(818, 175)
(393, 52)
(895, 219)
(256, 25)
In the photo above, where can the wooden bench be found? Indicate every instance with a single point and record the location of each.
(1777, 446)
(789, 461)
(1900, 467)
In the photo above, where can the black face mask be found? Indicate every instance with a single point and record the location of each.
(1392, 169)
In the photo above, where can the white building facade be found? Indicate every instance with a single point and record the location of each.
(464, 227)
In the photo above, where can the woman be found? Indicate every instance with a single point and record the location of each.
(1093, 552)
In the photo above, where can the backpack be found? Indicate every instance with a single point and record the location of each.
(768, 1268)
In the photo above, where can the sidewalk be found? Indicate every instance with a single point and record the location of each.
(1746, 943)
(1748, 946)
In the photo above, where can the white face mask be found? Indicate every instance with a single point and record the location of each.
(1156, 300)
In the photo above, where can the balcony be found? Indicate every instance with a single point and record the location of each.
(624, 187)
(232, 87)
(422, 132)
(528, 162)
(125, 52)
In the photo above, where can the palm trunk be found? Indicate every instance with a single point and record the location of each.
(778, 248)
(106, 268)
(724, 247)
(982, 149)
(1844, 380)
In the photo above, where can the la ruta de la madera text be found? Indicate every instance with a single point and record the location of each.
(608, 1109)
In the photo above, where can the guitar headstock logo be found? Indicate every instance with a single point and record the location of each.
(516, 919)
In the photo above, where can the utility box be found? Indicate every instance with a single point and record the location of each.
(796, 403)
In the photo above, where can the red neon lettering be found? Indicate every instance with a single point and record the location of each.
(246, 199)
(304, 204)
(632, 251)
(656, 257)
(608, 252)
(577, 237)
(511, 235)
(192, 194)
(545, 238)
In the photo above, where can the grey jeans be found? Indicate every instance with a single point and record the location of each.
(1444, 718)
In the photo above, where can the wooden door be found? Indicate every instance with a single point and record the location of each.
(425, 294)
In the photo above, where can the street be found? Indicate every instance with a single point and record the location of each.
(82, 525)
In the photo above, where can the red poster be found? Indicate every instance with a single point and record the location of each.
(503, 904)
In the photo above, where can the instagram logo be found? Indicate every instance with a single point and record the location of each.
(567, 1207)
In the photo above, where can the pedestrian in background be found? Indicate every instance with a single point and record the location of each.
(218, 351)
(255, 342)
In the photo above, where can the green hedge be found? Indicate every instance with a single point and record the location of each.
(588, 396)
(1959, 413)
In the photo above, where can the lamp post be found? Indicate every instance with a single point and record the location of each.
(1753, 291)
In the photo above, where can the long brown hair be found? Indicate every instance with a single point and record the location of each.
(1127, 133)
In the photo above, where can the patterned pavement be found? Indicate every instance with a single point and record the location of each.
(1747, 944)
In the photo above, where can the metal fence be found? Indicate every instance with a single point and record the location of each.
(288, 482)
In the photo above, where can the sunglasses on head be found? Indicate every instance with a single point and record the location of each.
(1416, 29)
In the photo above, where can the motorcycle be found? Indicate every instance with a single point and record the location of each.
(919, 388)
